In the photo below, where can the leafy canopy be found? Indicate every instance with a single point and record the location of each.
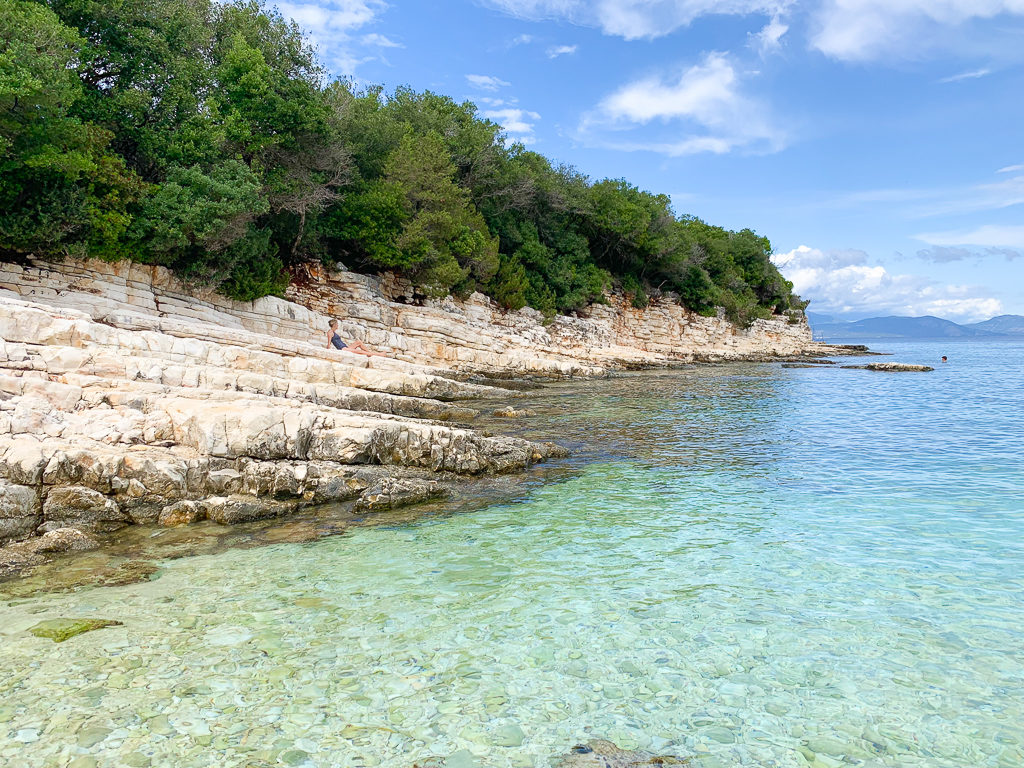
(206, 136)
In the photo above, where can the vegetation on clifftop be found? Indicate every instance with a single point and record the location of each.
(208, 138)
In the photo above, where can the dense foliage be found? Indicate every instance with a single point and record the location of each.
(205, 136)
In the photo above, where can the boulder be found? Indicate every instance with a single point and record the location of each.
(230, 510)
(76, 506)
(393, 492)
(16, 557)
(20, 511)
(181, 513)
(64, 540)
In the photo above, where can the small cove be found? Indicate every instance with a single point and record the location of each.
(744, 564)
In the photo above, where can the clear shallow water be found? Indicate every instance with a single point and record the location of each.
(754, 566)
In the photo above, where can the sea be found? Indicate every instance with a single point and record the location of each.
(741, 565)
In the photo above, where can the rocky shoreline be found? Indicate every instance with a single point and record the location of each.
(127, 398)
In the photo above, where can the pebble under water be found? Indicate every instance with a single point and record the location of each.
(748, 566)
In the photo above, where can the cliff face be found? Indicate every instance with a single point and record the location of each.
(127, 398)
(474, 335)
(477, 334)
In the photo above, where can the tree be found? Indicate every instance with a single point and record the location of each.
(205, 136)
(61, 190)
(444, 239)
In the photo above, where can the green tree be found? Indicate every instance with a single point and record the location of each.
(61, 190)
(204, 136)
(444, 239)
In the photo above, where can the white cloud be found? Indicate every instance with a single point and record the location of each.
(521, 40)
(702, 109)
(990, 235)
(561, 50)
(518, 123)
(973, 74)
(944, 254)
(486, 82)
(769, 39)
(330, 24)
(380, 41)
(332, 15)
(635, 19)
(859, 30)
(942, 201)
(844, 282)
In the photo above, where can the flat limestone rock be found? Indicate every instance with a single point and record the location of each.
(896, 367)
(60, 630)
(891, 367)
(599, 753)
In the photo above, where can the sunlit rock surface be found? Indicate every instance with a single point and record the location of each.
(129, 398)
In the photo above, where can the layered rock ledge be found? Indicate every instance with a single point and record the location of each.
(127, 397)
(470, 336)
(147, 420)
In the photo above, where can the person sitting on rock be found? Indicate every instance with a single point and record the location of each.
(334, 340)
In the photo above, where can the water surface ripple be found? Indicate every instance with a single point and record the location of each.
(754, 566)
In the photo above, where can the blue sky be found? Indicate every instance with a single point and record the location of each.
(877, 143)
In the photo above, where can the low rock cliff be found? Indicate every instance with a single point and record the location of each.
(126, 397)
(474, 335)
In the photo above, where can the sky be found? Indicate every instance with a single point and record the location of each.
(879, 144)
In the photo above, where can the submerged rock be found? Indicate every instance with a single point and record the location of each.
(509, 736)
(130, 572)
(15, 558)
(60, 630)
(604, 754)
(512, 413)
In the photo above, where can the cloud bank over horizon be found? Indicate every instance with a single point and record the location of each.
(845, 283)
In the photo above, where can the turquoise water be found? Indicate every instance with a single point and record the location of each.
(753, 566)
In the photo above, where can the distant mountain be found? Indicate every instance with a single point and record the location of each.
(1008, 324)
(895, 327)
(816, 319)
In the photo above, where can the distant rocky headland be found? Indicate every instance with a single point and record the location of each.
(127, 397)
